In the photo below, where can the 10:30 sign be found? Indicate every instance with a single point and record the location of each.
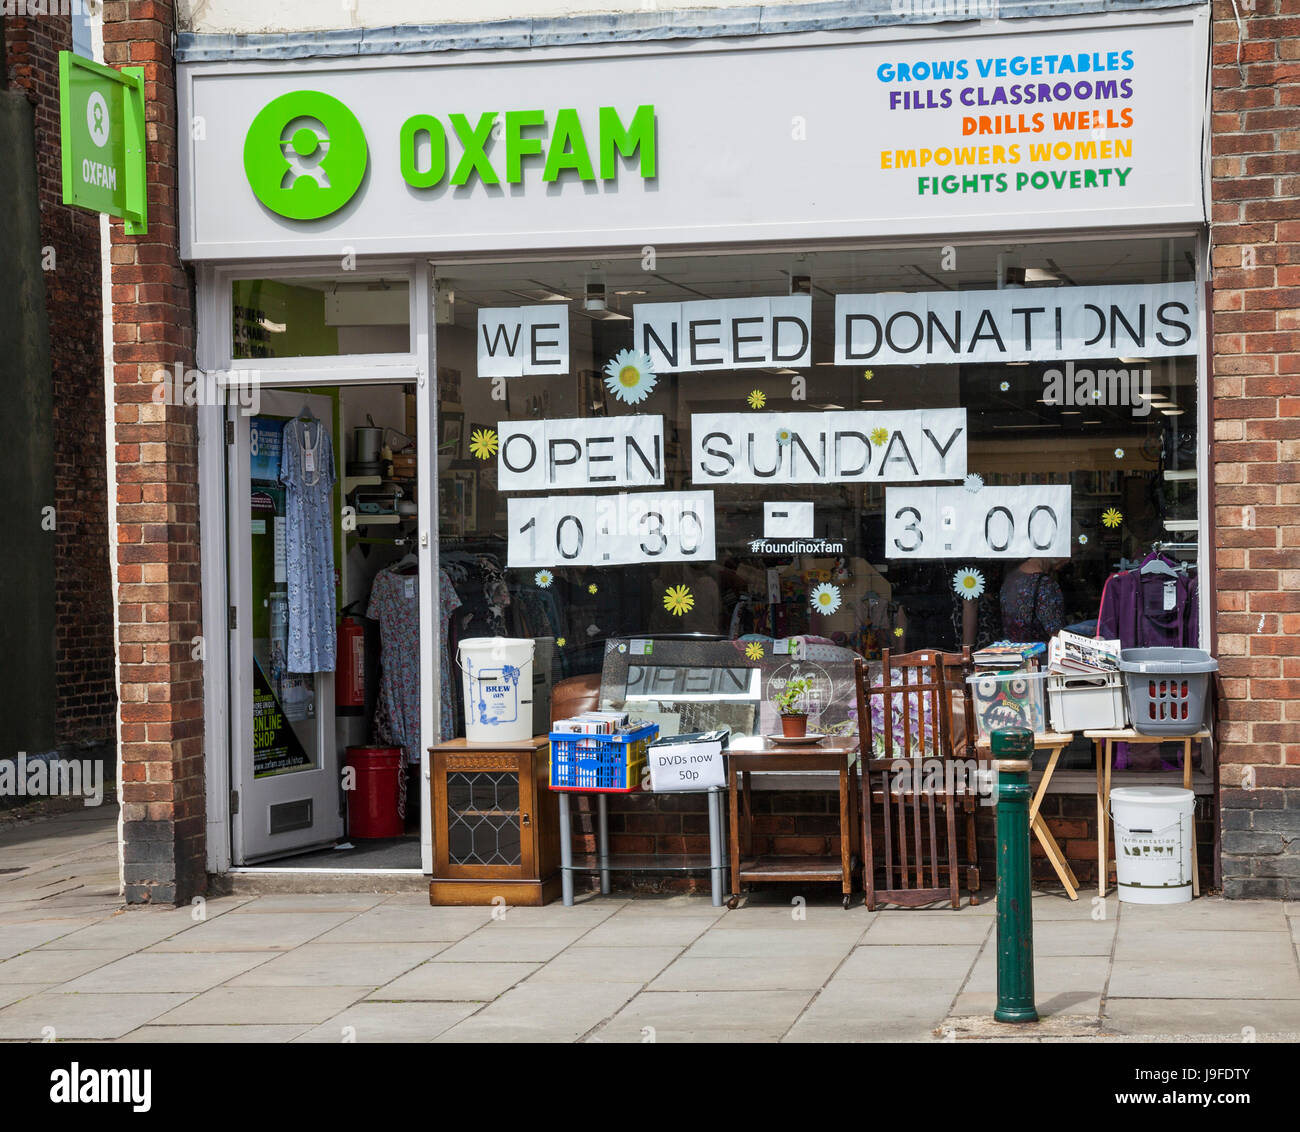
(1029, 521)
(609, 530)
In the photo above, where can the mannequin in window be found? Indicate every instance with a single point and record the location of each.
(1033, 606)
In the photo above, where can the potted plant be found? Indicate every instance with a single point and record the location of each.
(789, 702)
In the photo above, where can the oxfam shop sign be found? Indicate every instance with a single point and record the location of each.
(306, 155)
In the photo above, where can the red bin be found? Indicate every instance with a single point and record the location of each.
(372, 802)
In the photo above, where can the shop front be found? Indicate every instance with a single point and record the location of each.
(702, 368)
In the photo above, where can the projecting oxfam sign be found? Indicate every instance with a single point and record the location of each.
(305, 154)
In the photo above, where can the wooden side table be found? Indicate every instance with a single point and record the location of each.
(1054, 742)
(496, 825)
(1103, 742)
(741, 763)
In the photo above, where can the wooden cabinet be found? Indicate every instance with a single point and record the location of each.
(496, 829)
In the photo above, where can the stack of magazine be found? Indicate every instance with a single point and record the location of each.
(1071, 653)
(1010, 656)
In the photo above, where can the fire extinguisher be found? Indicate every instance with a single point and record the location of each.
(350, 673)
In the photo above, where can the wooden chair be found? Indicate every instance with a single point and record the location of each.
(918, 859)
(956, 667)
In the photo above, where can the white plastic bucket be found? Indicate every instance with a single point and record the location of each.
(1153, 843)
(497, 674)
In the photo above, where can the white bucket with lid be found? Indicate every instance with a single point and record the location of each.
(1154, 829)
(497, 674)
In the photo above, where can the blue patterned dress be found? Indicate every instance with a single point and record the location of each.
(307, 472)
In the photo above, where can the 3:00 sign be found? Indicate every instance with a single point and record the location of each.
(995, 522)
(596, 530)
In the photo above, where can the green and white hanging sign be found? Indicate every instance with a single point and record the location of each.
(101, 120)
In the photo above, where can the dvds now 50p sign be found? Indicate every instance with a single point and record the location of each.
(306, 153)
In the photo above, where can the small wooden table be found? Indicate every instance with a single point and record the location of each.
(1054, 742)
(834, 754)
(1104, 742)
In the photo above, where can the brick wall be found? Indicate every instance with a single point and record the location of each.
(1255, 239)
(157, 501)
(86, 697)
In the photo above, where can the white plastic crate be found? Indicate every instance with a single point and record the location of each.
(1081, 702)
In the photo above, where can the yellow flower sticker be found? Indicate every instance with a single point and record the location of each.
(754, 651)
(591, 589)
(679, 600)
(483, 443)
(757, 398)
(560, 642)
(1111, 518)
(899, 631)
(879, 436)
(867, 374)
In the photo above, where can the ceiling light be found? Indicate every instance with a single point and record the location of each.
(631, 292)
(272, 327)
(782, 372)
(1135, 361)
(1172, 412)
(1071, 412)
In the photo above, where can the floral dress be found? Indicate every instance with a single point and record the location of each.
(307, 472)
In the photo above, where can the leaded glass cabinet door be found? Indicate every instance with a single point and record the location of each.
(486, 806)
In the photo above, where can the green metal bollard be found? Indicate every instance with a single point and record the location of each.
(1013, 748)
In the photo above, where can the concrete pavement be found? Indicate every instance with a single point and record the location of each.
(76, 964)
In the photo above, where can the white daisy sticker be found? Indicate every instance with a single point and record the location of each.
(783, 436)
(974, 481)
(630, 376)
(825, 598)
(544, 578)
(1119, 453)
(968, 583)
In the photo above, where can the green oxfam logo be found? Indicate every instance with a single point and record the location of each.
(305, 155)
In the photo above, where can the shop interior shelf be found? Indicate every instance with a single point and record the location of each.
(644, 863)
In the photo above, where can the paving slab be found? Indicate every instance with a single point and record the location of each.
(1235, 1020)
(705, 1016)
(399, 923)
(836, 1016)
(1070, 1003)
(582, 916)
(239, 1006)
(775, 943)
(243, 931)
(96, 1017)
(440, 981)
(1071, 937)
(628, 930)
(138, 927)
(56, 966)
(315, 964)
(1194, 964)
(312, 902)
(152, 971)
(16, 992)
(494, 944)
(1207, 914)
(791, 972)
(921, 928)
(213, 1035)
(389, 1022)
(580, 964)
(543, 1012)
(902, 963)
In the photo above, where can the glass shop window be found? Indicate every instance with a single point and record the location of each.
(320, 317)
(881, 448)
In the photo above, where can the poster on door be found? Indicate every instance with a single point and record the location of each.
(1028, 521)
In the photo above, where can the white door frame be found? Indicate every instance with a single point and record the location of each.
(213, 356)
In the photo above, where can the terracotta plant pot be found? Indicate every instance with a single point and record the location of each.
(795, 725)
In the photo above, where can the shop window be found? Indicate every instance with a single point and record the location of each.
(320, 317)
(906, 449)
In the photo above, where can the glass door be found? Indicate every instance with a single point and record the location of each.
(282, 584)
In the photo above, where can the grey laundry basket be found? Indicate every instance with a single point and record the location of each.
(1166, 688)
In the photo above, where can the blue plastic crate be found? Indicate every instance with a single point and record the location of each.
(601, 764)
